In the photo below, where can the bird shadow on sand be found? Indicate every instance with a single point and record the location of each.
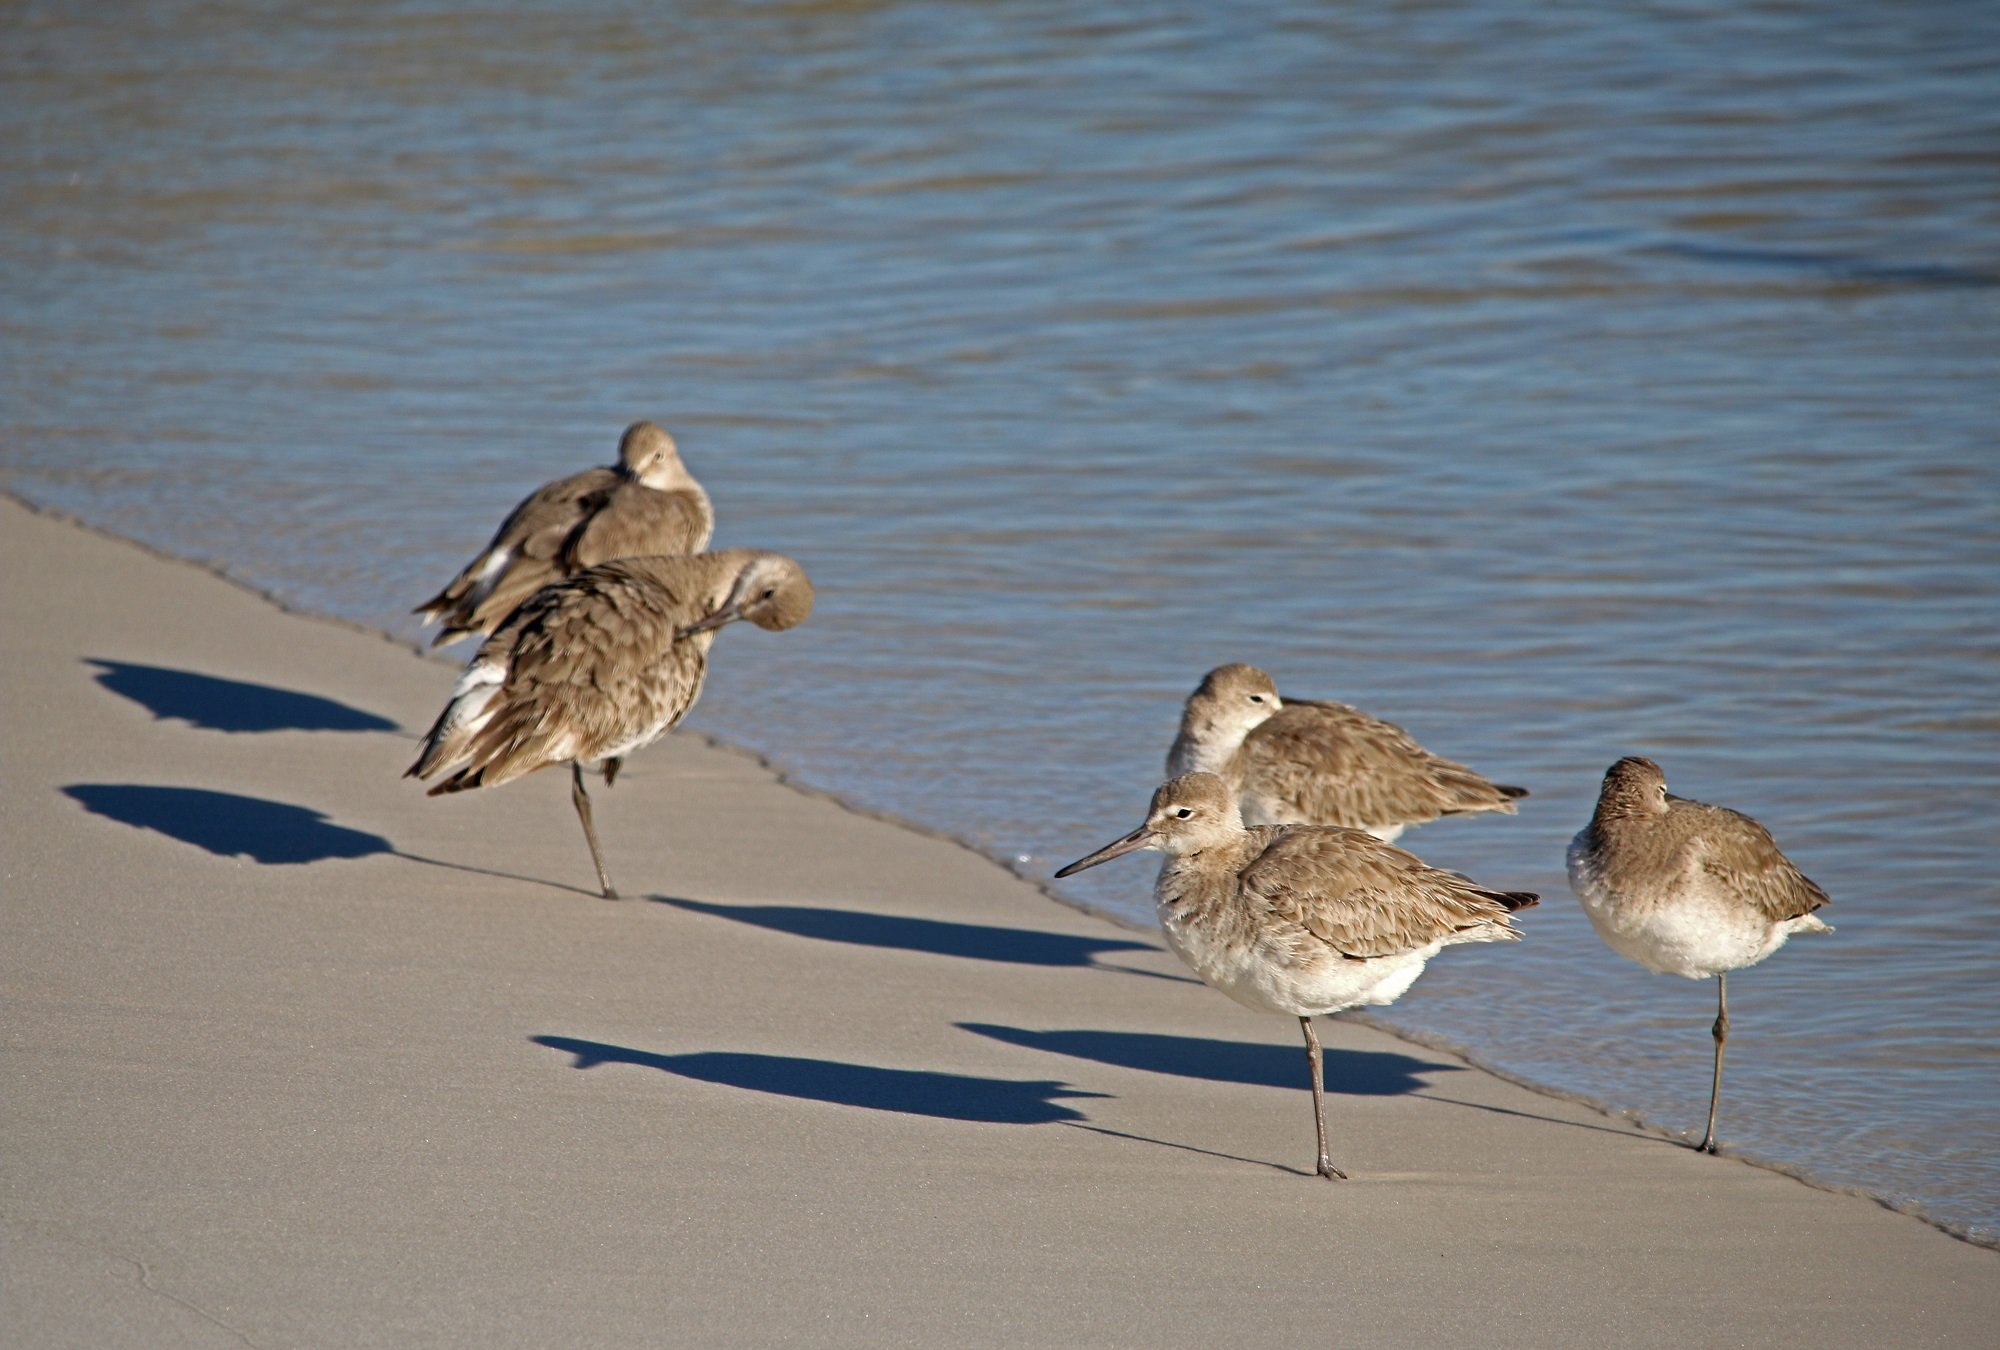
(914, 1092)
(939, 937)
(228, 825)
(1492, 1110)
(1354, 1073)
(217, 704)
(1178, 1147)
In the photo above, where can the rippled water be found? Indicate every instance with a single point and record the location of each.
(1556, 384)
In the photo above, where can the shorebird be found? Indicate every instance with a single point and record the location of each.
(600, 665)
(1316, 762)
(646, 504)
(1687, 889)
(1300, 920)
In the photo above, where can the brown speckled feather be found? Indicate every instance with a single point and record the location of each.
(1363, 898)
(1302, 920)
(625, 520)
(597, 665)
(647, 505)
(1325, 763)
(639, 521)
(1647, 847)
(536, 529)
(1686, 889)
(1736, 852)
(589, 663)
(602, 664)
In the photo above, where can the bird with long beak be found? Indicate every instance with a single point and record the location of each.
(1300, 920)
(602, 664)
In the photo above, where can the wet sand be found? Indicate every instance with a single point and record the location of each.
(298, 1057)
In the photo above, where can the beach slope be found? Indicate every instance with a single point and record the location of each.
(298, 1057)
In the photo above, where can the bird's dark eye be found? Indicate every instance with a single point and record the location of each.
(1183, 813)
(768, 594)
(1256, 698)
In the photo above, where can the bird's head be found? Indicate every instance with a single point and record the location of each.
(1188, 814)
(1230, 702)
(768, 589)
(647, 454)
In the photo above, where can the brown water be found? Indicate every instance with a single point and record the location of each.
(1560, 385)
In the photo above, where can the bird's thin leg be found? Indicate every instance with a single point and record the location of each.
(1326, 1167)
(1721, 1033)
(581, 800)
(611, 768)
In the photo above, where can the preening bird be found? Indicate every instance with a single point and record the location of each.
(597, 666)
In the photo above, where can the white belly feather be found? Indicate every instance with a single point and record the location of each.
(1259, 978)
(1693, 929)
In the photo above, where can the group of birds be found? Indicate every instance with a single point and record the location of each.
(1280, 887)
(600, 607)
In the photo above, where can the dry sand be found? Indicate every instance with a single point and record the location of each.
(296, 1057)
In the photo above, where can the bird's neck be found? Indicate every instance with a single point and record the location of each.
(1206, 744)
(1615, 809)
(1199, 887)
(1229, 851)
(671, 476)
(701, 583)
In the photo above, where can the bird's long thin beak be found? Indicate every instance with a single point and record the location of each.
(1132, 842)
(729, 613)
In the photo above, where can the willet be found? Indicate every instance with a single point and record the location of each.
(1686, 889)
(648, 503)
(1300, 919)
(1316, 762)
(600, 665)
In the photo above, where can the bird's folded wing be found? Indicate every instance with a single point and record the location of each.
(1359, 896)
(1736, 852)
(638, 521)
(1332, 764)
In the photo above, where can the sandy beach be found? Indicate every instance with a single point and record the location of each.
(297, 1057)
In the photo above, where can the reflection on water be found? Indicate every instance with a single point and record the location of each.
(1560, 386)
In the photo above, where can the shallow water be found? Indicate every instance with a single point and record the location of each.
(1558, 385)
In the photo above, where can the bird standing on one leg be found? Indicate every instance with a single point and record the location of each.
(1317, 762)
(1686, 889)
(1300, 919)
(647, 504)
(600, 665)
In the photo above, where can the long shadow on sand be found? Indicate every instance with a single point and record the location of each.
(946, 1096)
(1356, 1073)
(228, 825)
(1016, 946)
(218, 704)
(268, 832)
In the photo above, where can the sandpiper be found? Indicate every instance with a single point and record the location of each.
(1686, 889)
(646, 504)
(600, 665)
(1301, 919)
(1316, 762)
